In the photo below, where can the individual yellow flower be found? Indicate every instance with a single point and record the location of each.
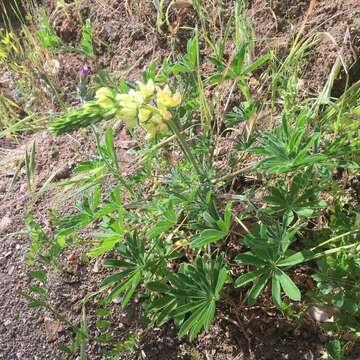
(166, 99)
(105, 97)
(137, 97)
(146, 90)
(124, 100)
(154, 125)
(145, 114)
(129, 108)
(165, 113)
(128, 115)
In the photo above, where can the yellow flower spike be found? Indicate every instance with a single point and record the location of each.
(166, 99)
(105, 97)
(146, 90)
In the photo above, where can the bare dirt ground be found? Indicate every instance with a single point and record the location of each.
(125, 42)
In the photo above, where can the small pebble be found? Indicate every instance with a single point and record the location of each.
(11, 270)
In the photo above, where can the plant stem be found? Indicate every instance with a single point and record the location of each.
(117, 172)
(186, 149)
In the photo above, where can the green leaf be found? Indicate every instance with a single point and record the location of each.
(297, 258)
(192, 321)
(158, 286)
(291, 290)
(104, 338)
(334, 349)
(35, 304)
(222, 277)
(103, 324)
(276, 292)
(37, 289)
(160, 228)
(247, 278)
(86, 40)
(257, 288)
(254, 66)
(38, 275)
(184, 309)
(249, 258)
(102, 312)
(207, 237)
(209, 316)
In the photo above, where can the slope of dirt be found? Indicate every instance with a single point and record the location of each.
(278, 22)
(125, 43)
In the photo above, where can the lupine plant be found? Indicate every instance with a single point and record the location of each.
(169, 227)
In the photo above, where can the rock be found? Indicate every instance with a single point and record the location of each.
(96, 267)
(11, 270)
(52, 328)
(3, 187)
(117, 300)
(321, 314)
(5, 223)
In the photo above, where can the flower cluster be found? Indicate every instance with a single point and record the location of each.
(148, 106)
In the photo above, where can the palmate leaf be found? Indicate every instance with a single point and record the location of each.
(301, 198)
(132, 269)
(210, 236)
(190, 295)
(269, 253)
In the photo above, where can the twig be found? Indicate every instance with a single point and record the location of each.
(237, 172)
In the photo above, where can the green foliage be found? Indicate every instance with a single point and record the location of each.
(190, 296)
(133, 268)
(49, 40)
(270, 255)
(165, 225)
(46, 34)
(338, 286)
(299, 197)
(87, 39)
(335, 351)
(220, 228)
(44, 247)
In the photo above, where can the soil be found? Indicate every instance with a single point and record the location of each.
(125, 42)
(278, 22)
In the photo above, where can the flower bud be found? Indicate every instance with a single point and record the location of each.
(146, 90)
